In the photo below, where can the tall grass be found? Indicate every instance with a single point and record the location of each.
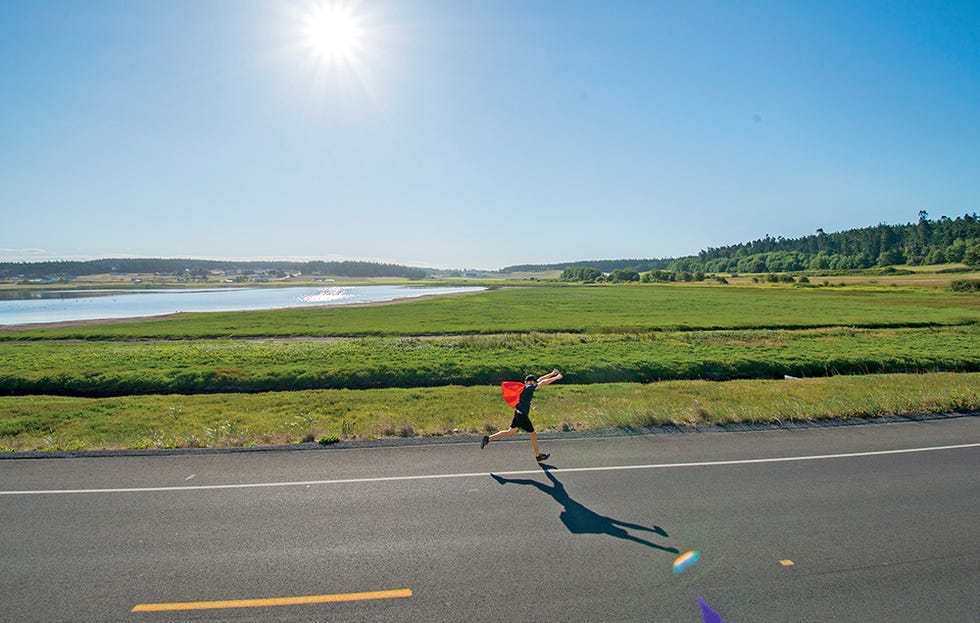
(218, 366)
(172, 421)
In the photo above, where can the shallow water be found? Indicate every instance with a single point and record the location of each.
(35, 306)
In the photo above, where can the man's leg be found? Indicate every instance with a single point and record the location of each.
(510, 432)
(538, 456)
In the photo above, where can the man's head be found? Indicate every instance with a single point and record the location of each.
(530, 378)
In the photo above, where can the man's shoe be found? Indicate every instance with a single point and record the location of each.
(486, 440)
(541, 457)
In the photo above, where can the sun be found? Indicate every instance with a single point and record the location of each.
(335, 49)
(332, 32)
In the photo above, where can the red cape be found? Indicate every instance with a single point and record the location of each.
(511, 391)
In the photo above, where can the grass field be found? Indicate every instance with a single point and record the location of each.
(213, 366)
(564, 309)
(632, 354)
(230, 420)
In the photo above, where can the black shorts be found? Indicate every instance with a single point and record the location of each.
(522, 421)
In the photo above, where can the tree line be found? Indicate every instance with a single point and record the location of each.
(178, 267)
(605, 266)
(588, 274)
(925, 242)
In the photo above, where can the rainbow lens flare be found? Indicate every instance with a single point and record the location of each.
(685, 560)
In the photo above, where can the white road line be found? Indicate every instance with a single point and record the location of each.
(611, 468)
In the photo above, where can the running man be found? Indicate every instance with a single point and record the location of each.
(522, 412)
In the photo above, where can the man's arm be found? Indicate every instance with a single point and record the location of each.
(550, 378)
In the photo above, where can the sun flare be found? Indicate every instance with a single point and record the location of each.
(333, 49)
(333, 32)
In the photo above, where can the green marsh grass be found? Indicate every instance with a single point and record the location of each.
(431, 367)
(98, 369)
(325, 416)
(566, 309)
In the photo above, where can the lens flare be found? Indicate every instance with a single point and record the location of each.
(685, 560)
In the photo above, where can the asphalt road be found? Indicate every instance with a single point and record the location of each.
(875, 535)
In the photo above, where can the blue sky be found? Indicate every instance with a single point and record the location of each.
(477, 133)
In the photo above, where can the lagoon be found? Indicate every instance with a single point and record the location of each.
(41, 306)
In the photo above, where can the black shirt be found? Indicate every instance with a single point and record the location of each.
(524, 405)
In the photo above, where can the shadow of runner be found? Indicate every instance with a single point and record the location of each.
(580, 519)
